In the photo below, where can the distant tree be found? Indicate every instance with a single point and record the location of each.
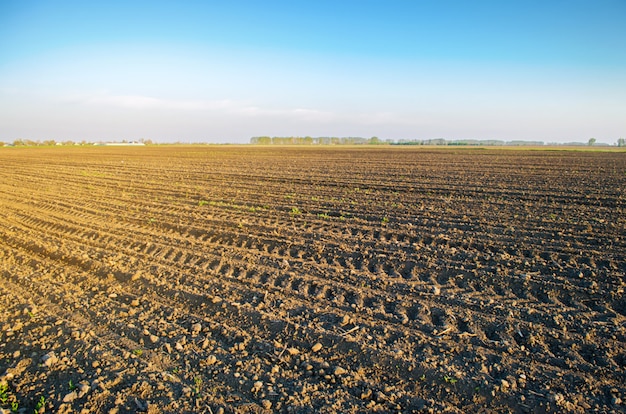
(591, 141)
(18, 142)
(621, 142)
(374, 141)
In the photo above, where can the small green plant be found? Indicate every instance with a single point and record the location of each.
(423, 377)
(138, 352)
(40, 404)
(197, 383)
(15, 406)
(202, 203)
(323, 216)
(4, 394)
(450, 380)
(71, 385)
(295, 211)
(385, 220)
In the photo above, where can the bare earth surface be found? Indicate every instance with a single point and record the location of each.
(243, 279)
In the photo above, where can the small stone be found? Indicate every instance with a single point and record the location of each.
(70, 397)
(179, 346)
(504, 383)
(267, 404)
(136, 275)
(211, 360)
(556, 398)
(345, 320)
(134, 303)
(293, 351)
(258, 386)
(49, 359)
(196, 328)
(83, 389)
(17, 354)
(435, 290)
(141, 406)
(317, 347)
(168, 348)
(154, 339)
(339, 371)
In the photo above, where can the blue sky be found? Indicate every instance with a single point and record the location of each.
(225, 71)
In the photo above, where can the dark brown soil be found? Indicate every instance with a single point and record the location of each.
(250, 279)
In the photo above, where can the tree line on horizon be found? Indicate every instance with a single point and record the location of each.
(266, 140)
(52, 142)
(295, 140)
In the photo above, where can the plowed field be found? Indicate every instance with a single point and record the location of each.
(244, 279)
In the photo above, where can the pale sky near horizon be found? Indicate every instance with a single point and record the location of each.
(208, 71)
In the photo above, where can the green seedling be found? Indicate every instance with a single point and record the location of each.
(40, 404)
(202, 203)
(14, 406)
(4, 394)
(71, 385)
(450, 380)
(197, 382)
(295, 211)
(138, 352)
(385, 220)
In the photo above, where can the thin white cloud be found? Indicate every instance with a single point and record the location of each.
(147, 102)
(229, 107)
(233, 115)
